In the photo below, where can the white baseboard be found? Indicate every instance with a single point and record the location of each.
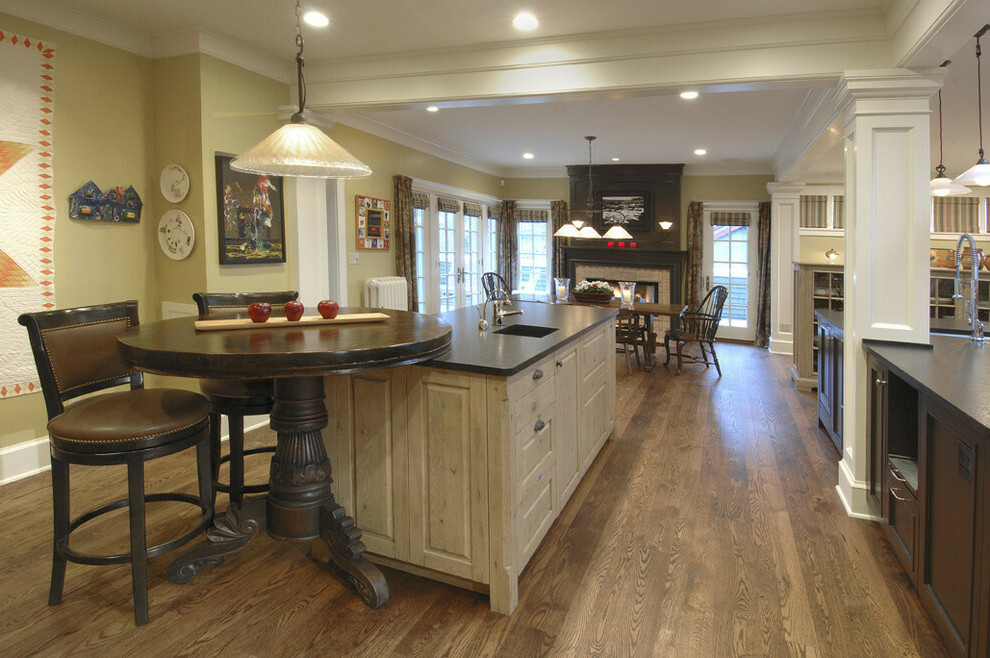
(781, 346)
(854, 495)
(33, 457)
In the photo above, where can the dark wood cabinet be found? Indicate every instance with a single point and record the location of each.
(830, 345)
(927, 478)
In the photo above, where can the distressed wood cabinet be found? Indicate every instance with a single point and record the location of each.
(458, 476)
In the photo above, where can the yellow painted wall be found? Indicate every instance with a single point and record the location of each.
(103, 132)
(537, 188)
(227, 89)
(387, 159)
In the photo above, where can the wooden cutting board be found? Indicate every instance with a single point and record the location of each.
(308, 321)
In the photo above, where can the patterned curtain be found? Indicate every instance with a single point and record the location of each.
(838, 211)
(814, 209)
(730, 218)
(558, 212)
(955, 214)
(694, 244)
(404, 234)
(763, 272)
(507, 244)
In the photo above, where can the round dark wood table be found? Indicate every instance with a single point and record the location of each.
(299, 504)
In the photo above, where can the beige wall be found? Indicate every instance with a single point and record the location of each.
(387, 159)
(537, 188)
(103, 132)
(227, 89)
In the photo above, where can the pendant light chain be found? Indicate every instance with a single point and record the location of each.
(300, 44)
(979, 91)
(940, 169)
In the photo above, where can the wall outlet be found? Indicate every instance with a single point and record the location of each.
(353, 259)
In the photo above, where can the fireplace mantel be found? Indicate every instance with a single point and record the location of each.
(664, 259)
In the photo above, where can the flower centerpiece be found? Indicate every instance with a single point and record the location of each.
(595, 292)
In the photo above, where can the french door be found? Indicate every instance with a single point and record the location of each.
(458, 260)
(730, 259)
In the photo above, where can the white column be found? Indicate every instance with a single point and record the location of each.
(784, 216)
(310, 271)
(885, 116)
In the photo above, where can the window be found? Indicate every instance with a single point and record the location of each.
(534, 256)
(823, 212)
(470, 274)
(491, 244)
(956, 214)
(419, 259)
(447, 259)
(730, 268)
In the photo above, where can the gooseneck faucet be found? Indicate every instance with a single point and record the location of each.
(497, 304)
(975, 325)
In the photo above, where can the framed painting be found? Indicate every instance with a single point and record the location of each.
(250, 216)
(629, 212)
(373, 227)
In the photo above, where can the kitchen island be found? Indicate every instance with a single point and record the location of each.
(928, 414)
(455, 468)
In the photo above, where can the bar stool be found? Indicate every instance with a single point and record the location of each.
(236, 398)
(75, 351)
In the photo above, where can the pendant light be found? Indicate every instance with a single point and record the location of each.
(579, 228)
(978, 174)
(940, 185)
(299, 148)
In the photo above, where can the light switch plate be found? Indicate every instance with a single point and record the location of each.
(353, 259)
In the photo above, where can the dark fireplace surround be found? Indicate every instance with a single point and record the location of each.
(663, 259)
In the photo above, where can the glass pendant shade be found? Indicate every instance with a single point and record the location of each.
(300, 149)
(978, 174)
(617, 233)
(567, 231)
(943, 186)
(589, 233)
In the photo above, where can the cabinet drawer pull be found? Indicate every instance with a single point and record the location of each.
(537, 374)
(560, 364)
(881, 382)
(893, 492)
(539, 425)
(897, 476)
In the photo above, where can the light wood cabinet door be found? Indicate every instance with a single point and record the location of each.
(565, 436)
(368, 450)
(448, 490)
(593, 416)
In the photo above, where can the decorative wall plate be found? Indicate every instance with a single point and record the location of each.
(176, 235)
(174, 183)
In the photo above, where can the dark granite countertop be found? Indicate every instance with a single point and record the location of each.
(953, 369)
(957, 326)
(473, 350)
(833, 319)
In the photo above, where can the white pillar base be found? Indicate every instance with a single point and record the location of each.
(855, 495)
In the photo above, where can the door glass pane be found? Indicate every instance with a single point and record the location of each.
(730, 268)
(534, 263)
(447, 258)
(419, 261)
(472, 262)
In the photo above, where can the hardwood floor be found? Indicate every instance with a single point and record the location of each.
(709, 527)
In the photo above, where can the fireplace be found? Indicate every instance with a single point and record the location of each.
(658, 272)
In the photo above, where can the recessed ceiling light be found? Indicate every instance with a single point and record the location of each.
(689, 95)
(525, 22)
(316, 19)
(700, 151)
(528, 156)
(615, 159)
(433, 108)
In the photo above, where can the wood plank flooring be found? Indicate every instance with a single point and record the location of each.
(709, 527)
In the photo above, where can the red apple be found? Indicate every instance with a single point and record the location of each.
(259, 312)
(328, 309)
(294, 310)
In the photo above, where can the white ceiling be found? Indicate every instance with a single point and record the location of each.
(741, 128)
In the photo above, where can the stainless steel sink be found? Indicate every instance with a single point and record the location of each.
(530, 330)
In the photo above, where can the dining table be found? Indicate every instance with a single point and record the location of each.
(299, 504)
(648, 310)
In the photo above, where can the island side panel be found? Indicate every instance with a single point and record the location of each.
(503, 571)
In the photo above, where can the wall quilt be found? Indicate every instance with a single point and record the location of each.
(27, 209)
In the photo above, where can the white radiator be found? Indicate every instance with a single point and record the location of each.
(386, 292)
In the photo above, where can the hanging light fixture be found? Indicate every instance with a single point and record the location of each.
(579, 228)
(978, 174)
(940, 185)
(299, 148)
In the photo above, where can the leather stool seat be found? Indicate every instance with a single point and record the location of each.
(243, 392)
(129, 420)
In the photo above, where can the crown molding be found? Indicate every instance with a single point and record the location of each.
(392, 134)
(54, 15)
(153, 45)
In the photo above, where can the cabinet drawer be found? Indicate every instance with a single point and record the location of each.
(531, 482)
(902, 512)
(533, 446)
(531, 378)
(527, 410)
(593, 351)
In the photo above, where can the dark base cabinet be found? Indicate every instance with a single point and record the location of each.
(830, 340)
(927, 477)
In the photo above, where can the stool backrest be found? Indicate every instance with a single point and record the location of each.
(75, 350)
(492, 281)
(226, 305)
